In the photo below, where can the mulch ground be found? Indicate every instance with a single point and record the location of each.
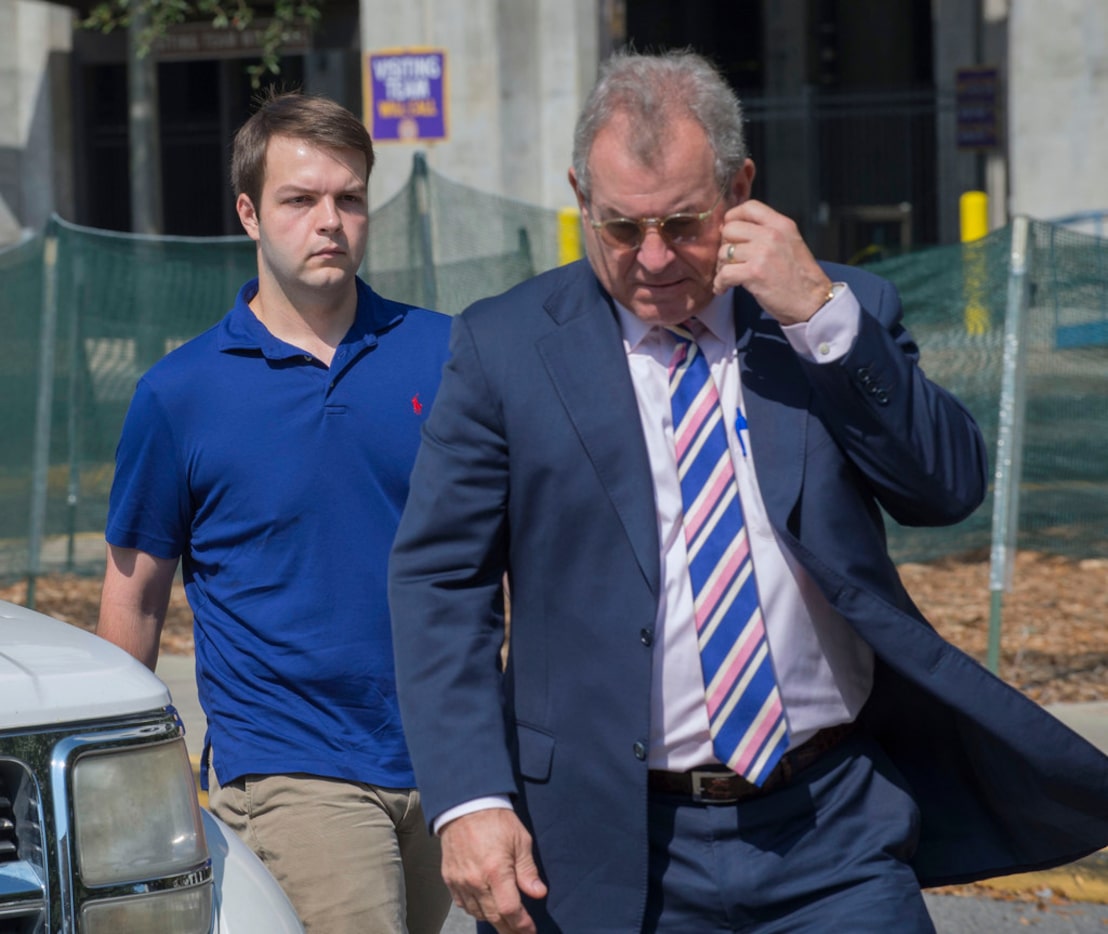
(1054, 643)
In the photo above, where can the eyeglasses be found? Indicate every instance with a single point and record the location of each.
(627, 233)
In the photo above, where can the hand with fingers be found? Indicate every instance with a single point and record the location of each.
(762, 250)
(486, 863)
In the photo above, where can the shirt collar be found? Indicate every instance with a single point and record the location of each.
(241, 329)
(716, 317)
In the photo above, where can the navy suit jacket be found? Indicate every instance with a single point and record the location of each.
(533, 464)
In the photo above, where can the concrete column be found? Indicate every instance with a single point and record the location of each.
(1058, 89)
(35, 147)
(548, 65)
(517, 72)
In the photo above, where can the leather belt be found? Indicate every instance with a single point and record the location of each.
(719, 785)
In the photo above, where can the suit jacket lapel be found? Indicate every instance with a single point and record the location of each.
(588, 368)
(776, 395)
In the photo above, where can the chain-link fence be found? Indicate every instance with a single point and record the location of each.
(956, 299)
(85, 312)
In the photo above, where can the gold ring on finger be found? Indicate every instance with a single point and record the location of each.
(730, 252)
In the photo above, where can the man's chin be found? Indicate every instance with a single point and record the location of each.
(664, 312)
(666, 305)
(329, 276)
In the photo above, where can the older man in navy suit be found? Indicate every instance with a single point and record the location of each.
(629, 768)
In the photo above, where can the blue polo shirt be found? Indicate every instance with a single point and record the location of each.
(279, 482)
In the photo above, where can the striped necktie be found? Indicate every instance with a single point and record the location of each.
(748, 725)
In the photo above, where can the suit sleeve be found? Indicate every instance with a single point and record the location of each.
(445, 591)
(918, 446)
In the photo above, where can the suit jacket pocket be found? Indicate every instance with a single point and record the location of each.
(536, 752)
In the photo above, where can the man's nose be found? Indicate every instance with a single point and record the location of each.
(654, 252)
(329, 217)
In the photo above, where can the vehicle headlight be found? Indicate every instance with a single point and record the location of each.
(180, 911)
(136, 815)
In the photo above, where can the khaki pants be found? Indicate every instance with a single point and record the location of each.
(352, 858)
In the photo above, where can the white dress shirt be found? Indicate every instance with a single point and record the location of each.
(824, 669)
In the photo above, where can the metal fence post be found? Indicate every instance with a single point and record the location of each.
(1009, 443)
(73, 426)
(44, 402)
(423, 208)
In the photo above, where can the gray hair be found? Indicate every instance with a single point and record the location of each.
(654, 91)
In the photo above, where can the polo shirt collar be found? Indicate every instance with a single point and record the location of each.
(241, 330)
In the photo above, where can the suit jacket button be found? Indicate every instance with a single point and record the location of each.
(640, 751)
(647, 637)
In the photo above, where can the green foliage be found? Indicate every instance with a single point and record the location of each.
(154, 17)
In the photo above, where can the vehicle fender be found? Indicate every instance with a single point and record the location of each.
(247, 899)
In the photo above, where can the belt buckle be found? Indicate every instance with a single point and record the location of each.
(713, 787)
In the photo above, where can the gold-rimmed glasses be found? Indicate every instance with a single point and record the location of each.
(628, 233)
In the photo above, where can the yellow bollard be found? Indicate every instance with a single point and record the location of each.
(973, 212)
(569, 235)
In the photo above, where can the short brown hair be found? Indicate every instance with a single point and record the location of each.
(317, 120)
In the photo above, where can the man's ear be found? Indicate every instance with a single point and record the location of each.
(576, 189)
(248, 216)
(742, 183)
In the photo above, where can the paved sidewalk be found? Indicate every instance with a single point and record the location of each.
(1090, 720)
(1085, 882)
(179, 674)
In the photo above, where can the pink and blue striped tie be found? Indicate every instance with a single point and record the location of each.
(748, 725)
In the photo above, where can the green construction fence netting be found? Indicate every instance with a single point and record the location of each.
(85, 312)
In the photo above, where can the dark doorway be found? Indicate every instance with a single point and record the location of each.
(200, 105)
(729, 33)
(840, 107)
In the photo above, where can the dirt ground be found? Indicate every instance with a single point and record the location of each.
(1054, 639)
(1054, 644)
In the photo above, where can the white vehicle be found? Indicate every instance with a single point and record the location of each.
(100, 828)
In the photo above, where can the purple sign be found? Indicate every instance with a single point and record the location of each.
(977, 94)
(406, 94)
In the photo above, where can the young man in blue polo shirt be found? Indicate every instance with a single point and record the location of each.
(270, 455)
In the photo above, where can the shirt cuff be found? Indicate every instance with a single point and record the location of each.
(470, 807)
(829, 334)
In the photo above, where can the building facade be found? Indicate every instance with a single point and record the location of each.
(867, 120)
